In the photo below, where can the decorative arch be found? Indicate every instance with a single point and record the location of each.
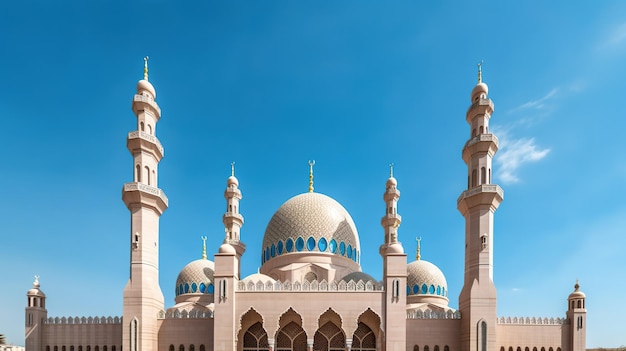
(290, 335)
(329, 337)
(368, 333)
(252, 335)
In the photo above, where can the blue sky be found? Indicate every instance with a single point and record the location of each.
(354, 85)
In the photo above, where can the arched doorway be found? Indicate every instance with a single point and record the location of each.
(329, 338)
(255, 338)
(291, 338)
(363, 339)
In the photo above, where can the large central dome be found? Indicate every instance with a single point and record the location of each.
(311, 222)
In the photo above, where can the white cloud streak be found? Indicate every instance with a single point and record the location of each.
(515, 153)
(617, 36)
(539, 104)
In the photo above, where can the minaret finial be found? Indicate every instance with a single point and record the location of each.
(480, 71)
(391, 170)
(203, 247)
(145, 67)
(36, 282)
(232, 169)
(418, 256)
(311, 164)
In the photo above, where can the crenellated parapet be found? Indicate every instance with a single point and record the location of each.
(533, 320)
(83, 320)
(306, 286)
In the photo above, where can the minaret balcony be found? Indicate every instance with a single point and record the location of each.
(484, 194)
(481, 106)
(391, 219)
(138, 140)
(142, 103)
(482, 143)
(140, 193)
(232, 216)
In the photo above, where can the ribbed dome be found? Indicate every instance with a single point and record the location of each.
(196, 278)
(424, 278)
(311, 222)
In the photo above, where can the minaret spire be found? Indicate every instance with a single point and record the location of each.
(418, 256)
(145, 67)
(391, 221)
(311, 164)
(480, 71)
(203, 247)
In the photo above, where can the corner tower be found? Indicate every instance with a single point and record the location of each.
(577, 315)
(36, 313)
(477, 301)
(143, 298)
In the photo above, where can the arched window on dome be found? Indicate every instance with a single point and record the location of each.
(424, 289)
(342, 248)
(333, 246)
(289, 245)
(279, 247)
(194, 287)
(210, 289)
(202, 288)
(349, 250)
(322, 244)
(310, 243)
(431, 289)
(299, 244)
(416, 289)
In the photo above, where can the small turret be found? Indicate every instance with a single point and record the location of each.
(391, 220)
(577, 315)
(36, 313)
(232, 219)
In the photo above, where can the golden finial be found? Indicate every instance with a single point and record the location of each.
(203, 247)
(311, 164)
(480, 71)
(232, 169)
(391, 170)
(419, 247)
(145, 67)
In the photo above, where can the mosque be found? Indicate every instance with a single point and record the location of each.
(310, 293)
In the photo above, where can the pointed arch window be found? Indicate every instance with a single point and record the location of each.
(364, 339)
(329, 337)
(291, 338)
(255, 339)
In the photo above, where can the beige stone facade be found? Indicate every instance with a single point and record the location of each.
(310, 293)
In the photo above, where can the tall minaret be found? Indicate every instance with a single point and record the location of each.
(36, 313)
(232, 219)
(477, 301)
(143, 298)
(394, 270)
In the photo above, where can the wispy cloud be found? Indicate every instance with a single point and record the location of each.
(617, 36)
(538, 104)
(515, 153)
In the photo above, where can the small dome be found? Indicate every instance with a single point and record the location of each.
(395, 248)
(392, 182)
(356, 276)
(480, 89)
(424, 278)
(232, 180)
(311, 222)
(227, 249)
(259, 277)
(577, 294)
(144, 85)
(196, 278)
(35, 292)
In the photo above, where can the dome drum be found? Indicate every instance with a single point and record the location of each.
(426, 283)
(195, 280)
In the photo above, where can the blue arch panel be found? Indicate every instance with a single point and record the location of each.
(273, 251)
(289, 245)
(322, 244)
(202, 288)
(210, 289)
(333, 246)
(279, 247)
(342, 248)
(310, 243)
(299, 244)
